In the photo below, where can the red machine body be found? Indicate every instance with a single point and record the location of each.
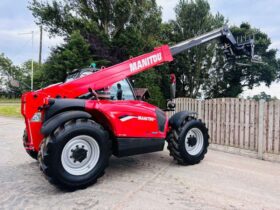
(107, 111)
(72, 130)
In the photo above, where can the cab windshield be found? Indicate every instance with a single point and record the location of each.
(121, 90)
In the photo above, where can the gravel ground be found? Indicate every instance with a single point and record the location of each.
(151, 181)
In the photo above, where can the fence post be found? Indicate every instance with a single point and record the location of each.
(261, 130)
(199, 109)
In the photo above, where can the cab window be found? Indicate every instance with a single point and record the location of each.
(121, 91)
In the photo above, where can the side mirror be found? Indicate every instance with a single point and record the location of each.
(170, 105)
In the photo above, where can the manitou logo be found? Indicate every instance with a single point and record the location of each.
(145, 62)
(142, 118)
(146, 118)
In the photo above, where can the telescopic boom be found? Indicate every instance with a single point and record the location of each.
(108, 76)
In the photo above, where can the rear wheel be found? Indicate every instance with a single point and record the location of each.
(76, 154)
(188, 144)
(31, 153)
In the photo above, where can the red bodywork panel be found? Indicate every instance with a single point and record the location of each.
(128, 118)
(142, 122)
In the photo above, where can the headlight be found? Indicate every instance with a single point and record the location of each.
(37, 117)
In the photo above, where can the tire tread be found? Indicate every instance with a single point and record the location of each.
(45, 152)
(174, 143)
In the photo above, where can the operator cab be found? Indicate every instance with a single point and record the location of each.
(121, 90)
(79, 73)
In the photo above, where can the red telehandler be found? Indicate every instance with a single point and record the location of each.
(72, 128)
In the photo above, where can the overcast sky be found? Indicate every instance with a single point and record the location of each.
(15, 19)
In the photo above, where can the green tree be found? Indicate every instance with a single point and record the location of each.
(110, 27)
(229, 78)
(10, 72)
(263, 96)
(65, 58)
(114, 30)
(37, 74)
(193, 18)
(6, 69)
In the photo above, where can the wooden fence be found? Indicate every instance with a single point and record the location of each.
(239, 125)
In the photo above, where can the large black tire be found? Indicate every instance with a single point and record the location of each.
(177, 142)
(31, 153)
(51, 151)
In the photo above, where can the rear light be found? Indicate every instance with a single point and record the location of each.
(37, 117)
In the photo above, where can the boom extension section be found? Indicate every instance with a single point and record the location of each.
(231, 46)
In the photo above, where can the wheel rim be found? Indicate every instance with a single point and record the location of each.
(80, 155)
(194, 141)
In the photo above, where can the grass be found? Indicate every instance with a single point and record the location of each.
(9, 100)
(10, 110)
(10, 107)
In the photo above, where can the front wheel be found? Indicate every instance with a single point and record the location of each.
(188, 144)
(76, 154)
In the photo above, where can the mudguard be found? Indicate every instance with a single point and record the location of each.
(177, 119)
(62, 105)
(51, 124)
